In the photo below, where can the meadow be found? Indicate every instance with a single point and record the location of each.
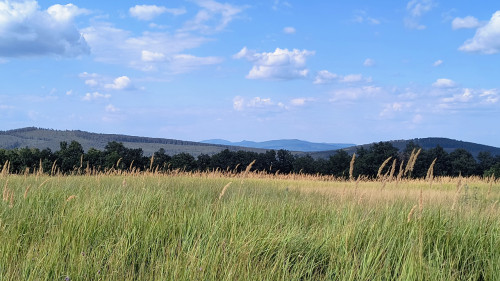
(247, 226)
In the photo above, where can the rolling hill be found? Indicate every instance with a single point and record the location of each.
(42, 138)
(448, 145)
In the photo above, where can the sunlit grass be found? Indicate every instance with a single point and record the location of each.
(179, 227)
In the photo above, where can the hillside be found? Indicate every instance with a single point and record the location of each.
(291, 145)
(42, 138)
(448, 145)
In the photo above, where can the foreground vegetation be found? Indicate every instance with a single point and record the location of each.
(249, 226)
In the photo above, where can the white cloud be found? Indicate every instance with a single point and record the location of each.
(213, 16)
(467, 22)
(369, 62)
(111, 108)
(352, 78)
(437, 63)
(69, 92)
(417, 119)
(361, 16)
(300, 101)
(256, 103)
(149, 12)
(95, 96)
(355, 93)
(324, 76)
(148, 56)
(444, 83)
(281, 64)
(416, 9)
(120, 83)
(289, 30)
(66, 13)
(149, 52)
(91, 82)
(391, 109)
(466, 96)
(487, 38)
(490, 96)
(26, 30)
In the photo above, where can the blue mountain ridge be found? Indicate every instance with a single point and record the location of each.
(288, 144)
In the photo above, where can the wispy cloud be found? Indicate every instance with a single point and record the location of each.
(149, 12)
(416, 9)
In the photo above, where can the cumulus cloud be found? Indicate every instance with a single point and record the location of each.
(120, 83)
(437, 63)
(282, 64)
(95, 96)
(467, 22)
(149, 12)
(369, 62)
(26, 30)
(416, 9)
(487, 38)
(289, 30)
(444, 83)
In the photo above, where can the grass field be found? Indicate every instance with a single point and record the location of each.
(259, 227)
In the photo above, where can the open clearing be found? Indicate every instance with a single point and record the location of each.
(181, 226)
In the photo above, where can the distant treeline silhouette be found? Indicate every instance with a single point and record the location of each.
(71, 158)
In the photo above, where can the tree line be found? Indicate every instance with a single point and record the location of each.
(71, 157)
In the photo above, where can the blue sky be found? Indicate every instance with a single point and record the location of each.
(323, 71)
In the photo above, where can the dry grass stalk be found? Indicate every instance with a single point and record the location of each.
(411, 162)
(150, 163)
(81, 161)
(421, 201)
(5, 191)
(492, 178)
(40, 168)
(224, 190)
(351, 166)
(430, 171)
(411, 213)
(457, 194)
(118, 162)
(26, 191)
(53, 169)
(131, 165)
(43, 183)
(11, 199)
(401, 171)
(393, 169)
(71, 198)
(382, 166)
(6, 168)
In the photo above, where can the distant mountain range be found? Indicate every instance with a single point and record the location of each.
(42, 138)
(291, 145)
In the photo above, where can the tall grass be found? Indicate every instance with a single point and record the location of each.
(198, 227)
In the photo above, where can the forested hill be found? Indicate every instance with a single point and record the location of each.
(46, 138)
(449, 145)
